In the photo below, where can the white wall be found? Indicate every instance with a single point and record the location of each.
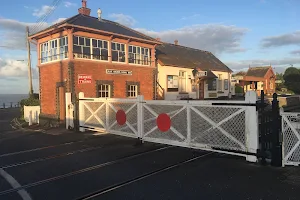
(163, 71)
(33, 112)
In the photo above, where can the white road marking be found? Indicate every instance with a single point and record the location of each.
(14, 183)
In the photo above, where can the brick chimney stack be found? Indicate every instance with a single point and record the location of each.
(84, 10)
(176, 42)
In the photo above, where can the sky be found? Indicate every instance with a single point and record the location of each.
(241, 33)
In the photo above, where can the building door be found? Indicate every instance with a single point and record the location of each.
(201, 89)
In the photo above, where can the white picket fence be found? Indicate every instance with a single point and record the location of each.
(222, 126)
(291, 138)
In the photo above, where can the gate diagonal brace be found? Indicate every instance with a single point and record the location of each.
(94, 114)
(217, 125)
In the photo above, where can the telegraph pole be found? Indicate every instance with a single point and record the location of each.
(29, 62)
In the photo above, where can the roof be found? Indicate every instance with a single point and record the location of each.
(186, 57)
(257, 71)
(103, 25)
(241, 73)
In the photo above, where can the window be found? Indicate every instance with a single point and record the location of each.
(226, 82)
(104, 91)
(172, 83)
(220, 83)
(139, 55)
(100, 49)
(53, 50)
(118, 52)
(182, 81)
(82, 47)
(132, 90)
(271, 86)
(212, 84)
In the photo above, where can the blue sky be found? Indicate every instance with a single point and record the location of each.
(239, 32)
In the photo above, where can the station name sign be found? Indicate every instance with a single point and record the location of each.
(120, 72)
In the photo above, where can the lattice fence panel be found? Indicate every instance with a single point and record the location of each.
(178, 122)
(290, 139)
(131, 117)
(92, 110)
(205, 133)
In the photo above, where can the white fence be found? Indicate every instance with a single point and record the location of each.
(222, 126)
(291, 138)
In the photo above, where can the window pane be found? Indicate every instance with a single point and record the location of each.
(104, 54)
(75, 40)
(87, 42)
(115, 56)
(113, 46)
(96, 51)
(138, 50)
(131, 59)
(100, 43)
(81, 41)
(94, 43)
(105, 44)
(122, 57)
(134, 49)
(143, 51)
(66, 41)
(130, 48)
(122, 47)
(118, 46)
(86, 50)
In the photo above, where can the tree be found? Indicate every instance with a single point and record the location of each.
(292, 79)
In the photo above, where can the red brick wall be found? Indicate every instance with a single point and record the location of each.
(97, 70)
(49, 76)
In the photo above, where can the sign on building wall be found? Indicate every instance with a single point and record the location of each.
(84, 78)
(116, 71)
(202, 73)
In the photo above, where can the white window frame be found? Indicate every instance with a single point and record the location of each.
(139, 56)
(51, 54)
(220, 83)
(82, 55)
(182, 81)
(132, 89)
(119, 51)
(103, 89)
(100, 48)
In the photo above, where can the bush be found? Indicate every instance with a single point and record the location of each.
(31, 101)
(238, 89)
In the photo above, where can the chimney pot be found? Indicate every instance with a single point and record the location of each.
(84, 10)
(176, 42)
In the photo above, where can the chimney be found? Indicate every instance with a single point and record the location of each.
(158, 39)
(176, 42)
(99, 12)
(84, 10)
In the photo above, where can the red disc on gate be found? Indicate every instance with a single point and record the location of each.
(121, 117)
(163, 122)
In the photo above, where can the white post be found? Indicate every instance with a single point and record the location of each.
(251, 126)
(81, 112)
(30, 117)
(69, 111)
(189, 124)
(140, 116)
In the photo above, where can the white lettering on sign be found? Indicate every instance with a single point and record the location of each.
(202, 73)
(115, 71)
(83, 78)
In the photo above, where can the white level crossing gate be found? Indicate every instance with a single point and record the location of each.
(222, 126)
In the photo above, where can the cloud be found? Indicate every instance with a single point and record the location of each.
(43, 11)
(282, 40)
(59, 20)
(295, 52)
(13, 35)
(69, 4)
(216, 38)
(279, 64)
(123, 19)
(14, 68)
